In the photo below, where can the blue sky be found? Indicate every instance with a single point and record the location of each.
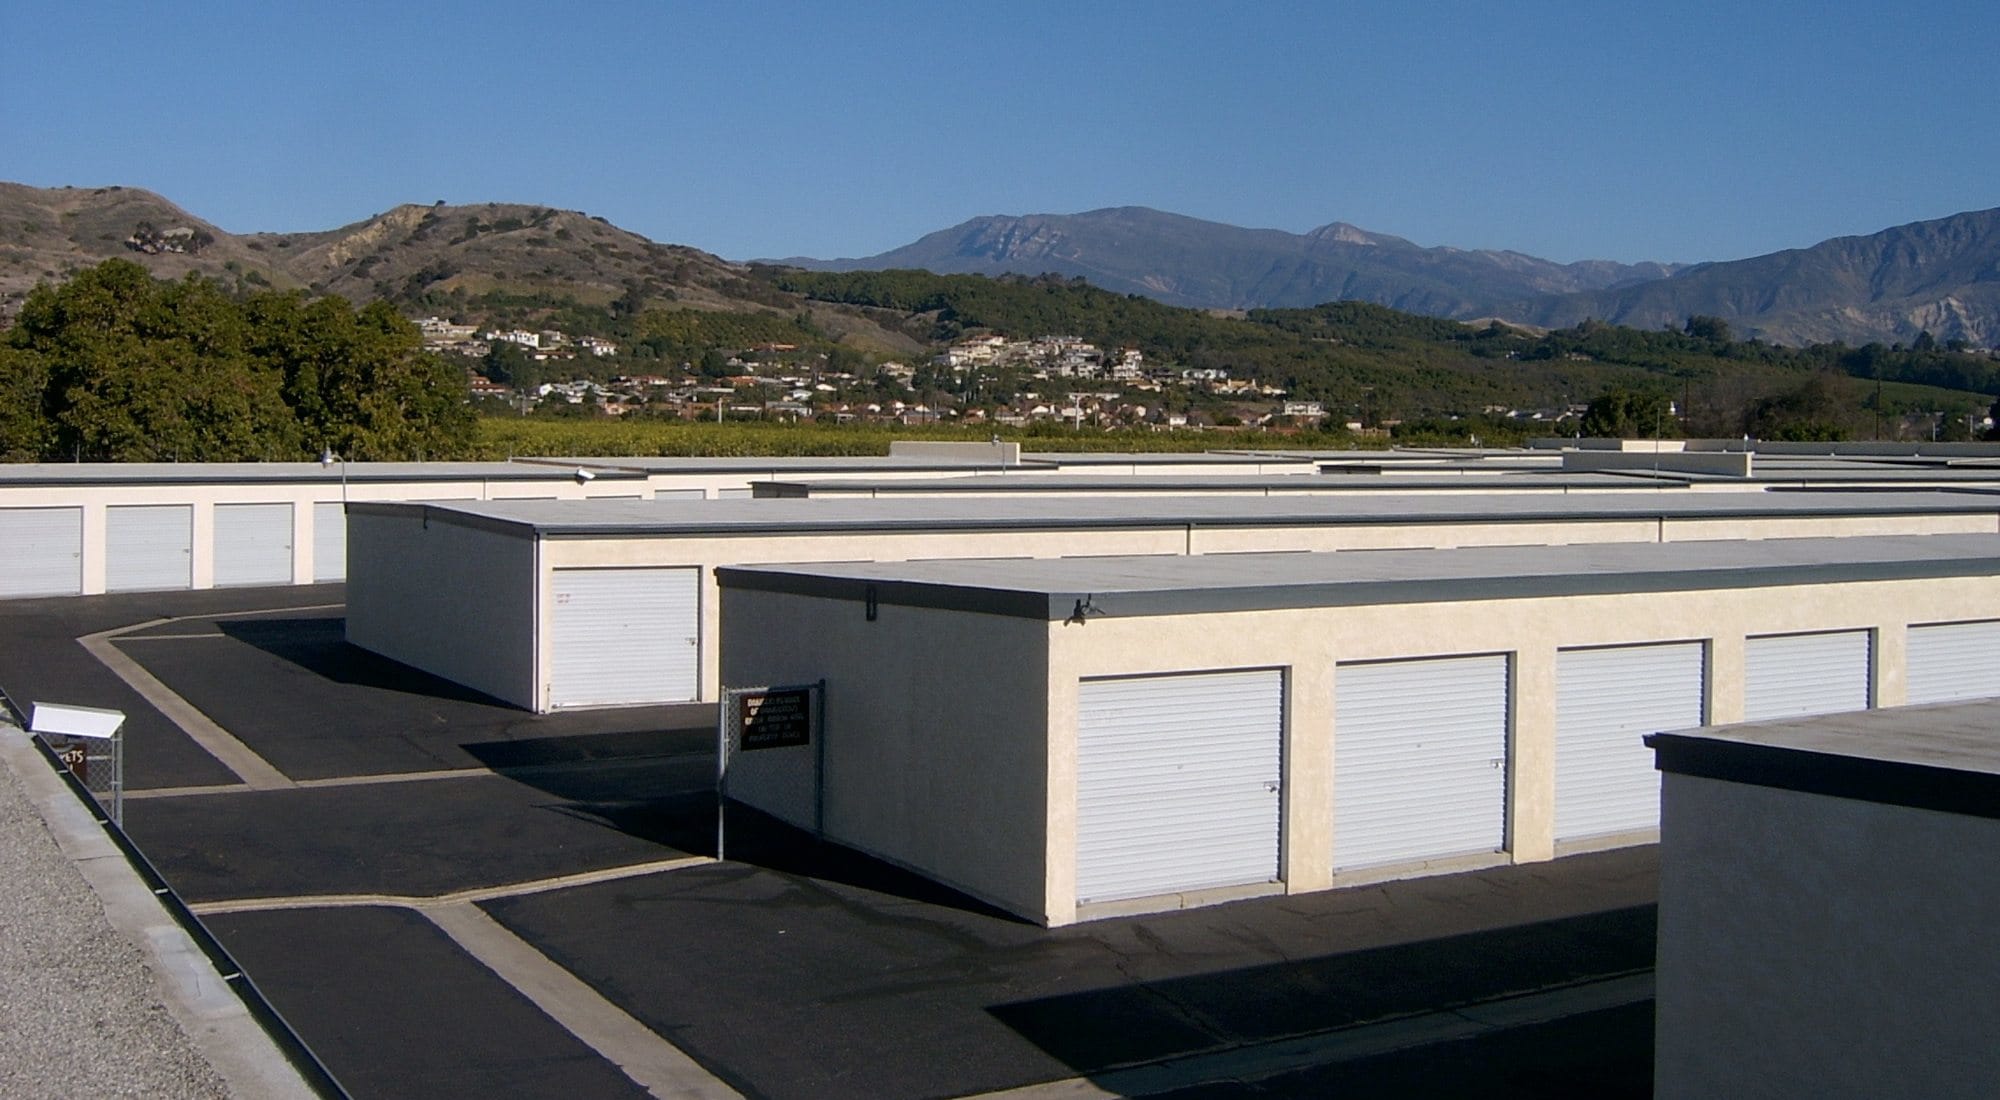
(1666, 131)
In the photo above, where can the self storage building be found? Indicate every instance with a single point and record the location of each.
(1145, 485)
(600, 603)
(1076, 738)
(1826, 905)
(723, 478)
(89, 528)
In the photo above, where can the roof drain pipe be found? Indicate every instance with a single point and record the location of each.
(1187, 545)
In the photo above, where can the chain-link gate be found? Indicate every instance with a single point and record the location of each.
(90, 742)
(777, 716)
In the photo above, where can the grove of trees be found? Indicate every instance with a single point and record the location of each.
(116, 366)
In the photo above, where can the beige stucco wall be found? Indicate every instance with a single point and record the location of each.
(202, 497)
(934, 735)
(1814, 946)
(1310, 642)
(709, 552)
(449, 600)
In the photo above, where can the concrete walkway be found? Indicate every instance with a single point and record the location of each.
(105, 995)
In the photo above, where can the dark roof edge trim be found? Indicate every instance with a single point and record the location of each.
(984, 601)
(428, 514)
(1056, 606)
(1887, 782)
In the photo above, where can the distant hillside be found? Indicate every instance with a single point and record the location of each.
(421, 258)
(1189, 262)
(1940, 276)
(48, 234)
(409, 250)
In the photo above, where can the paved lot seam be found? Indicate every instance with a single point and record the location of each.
(254, 770)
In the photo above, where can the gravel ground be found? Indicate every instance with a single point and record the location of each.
(83, 1014)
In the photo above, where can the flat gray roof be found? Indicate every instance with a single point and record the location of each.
(1249, 484)
(1164, 458)
(1943, 757)
(675, 464)
(223, 473)
(611, 518)
(1053, 588)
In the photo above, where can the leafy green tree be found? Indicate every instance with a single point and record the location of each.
(361, 383)
(138, 370)
(116, 366)
(1818, 409)
(508, 365)
(714, 364)
(1626, 414)
(1714, 330)
(25, 431)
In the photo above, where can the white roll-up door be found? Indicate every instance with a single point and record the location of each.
(1607, 701)
(1419, 760)
(1949, 661)
(679, 494)
(1177, 783)
(44, 551)
(253, 544)
(624, 636)
(148, 547)
(1789, 675)
(329, 541)
(735, 494)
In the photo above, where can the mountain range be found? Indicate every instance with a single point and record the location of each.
(1940, 276)
(1185, 261)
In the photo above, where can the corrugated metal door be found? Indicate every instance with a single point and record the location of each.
(1607, 700)
(1419, 760)
(625, 636)
(1789, 675)
(44, 551)
(253, 544)
(329, 541)
(148, 547)
(1177, 783)
(1948, 661)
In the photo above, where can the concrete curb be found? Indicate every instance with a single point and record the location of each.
(198, 998)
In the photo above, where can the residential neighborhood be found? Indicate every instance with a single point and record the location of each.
(989, 378)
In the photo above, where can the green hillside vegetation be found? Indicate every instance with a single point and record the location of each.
(1383, 364)
(501, 438)
(115, 365)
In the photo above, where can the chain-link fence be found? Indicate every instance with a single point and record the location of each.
(98, 763)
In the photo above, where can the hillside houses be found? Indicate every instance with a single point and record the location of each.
(987, 379)
(543, 346)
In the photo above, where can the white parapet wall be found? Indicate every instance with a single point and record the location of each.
(1003, 454)
(1675, 461)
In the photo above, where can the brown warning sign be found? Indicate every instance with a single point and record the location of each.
(774, 719)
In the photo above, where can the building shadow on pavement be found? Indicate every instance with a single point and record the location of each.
(684, 820)
(319, 645)
(1600, 1053)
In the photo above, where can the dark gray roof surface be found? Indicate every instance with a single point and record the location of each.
(1249, 484)
(1164, 458)
(1175, 584)
(1943, 757)
(674, 464)
(605, 518)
